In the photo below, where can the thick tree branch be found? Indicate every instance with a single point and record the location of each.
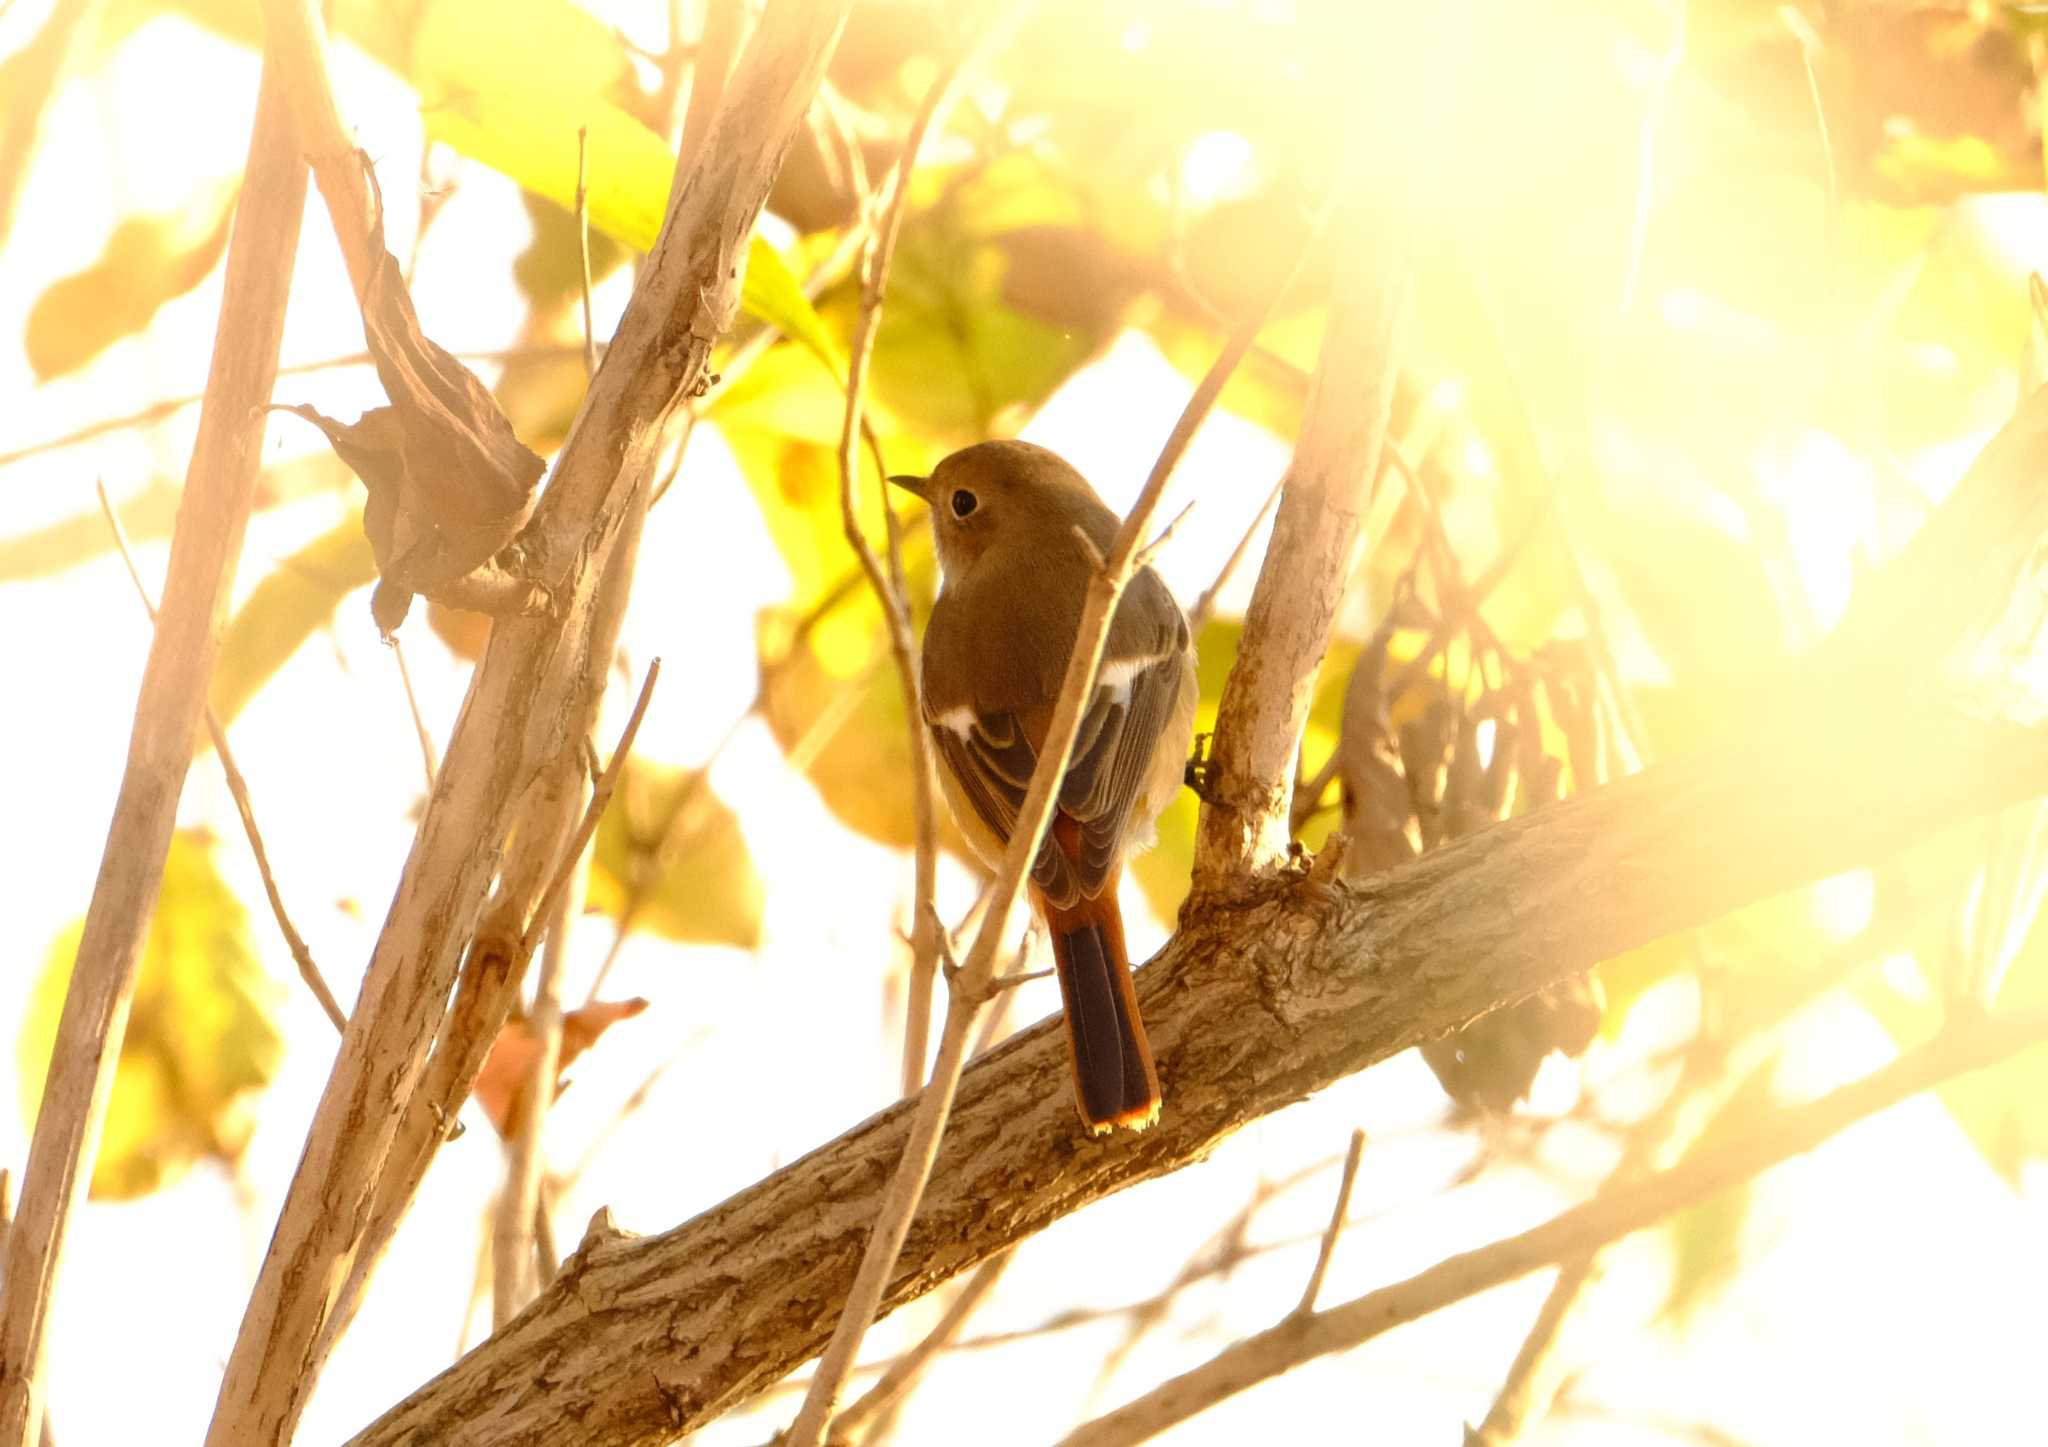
(1856, 756)
(639, 1340)
(1244, 824)
(531, 703)
(212, 517)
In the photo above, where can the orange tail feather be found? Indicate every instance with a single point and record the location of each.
(1115, 1081)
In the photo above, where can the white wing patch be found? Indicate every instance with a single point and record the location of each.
(960, 719)
(1117, 675)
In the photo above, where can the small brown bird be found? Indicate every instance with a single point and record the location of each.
(1004, 515)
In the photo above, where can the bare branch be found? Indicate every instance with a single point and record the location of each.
(519, 1240)
(1793, 1131)
(641, 1340)
(238, 787)
(531, 702)
(900, 1204)
(1338, 1212)
(412, 707)
(1245, 814)
(214, 513)
(521, 1225)
(902, 1373)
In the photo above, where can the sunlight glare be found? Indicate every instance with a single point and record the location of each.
(1218, 166)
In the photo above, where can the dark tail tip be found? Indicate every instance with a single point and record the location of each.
(1114, 1078)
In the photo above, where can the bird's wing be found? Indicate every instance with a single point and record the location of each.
(992, 757)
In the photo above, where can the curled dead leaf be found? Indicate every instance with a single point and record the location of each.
(449, 482)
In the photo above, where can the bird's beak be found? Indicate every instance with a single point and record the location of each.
(910, 482)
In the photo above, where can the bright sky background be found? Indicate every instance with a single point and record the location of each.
(1895, 1291)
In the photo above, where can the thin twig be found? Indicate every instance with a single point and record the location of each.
(1158, 544)
(906, 1187)
(238, 786)
(522, 1229)
(1710, 1075)
(600, 795)
(219, 494)
(533, 697)
(1779, 1136)
(1338, 1212)
(583, 248)
(171, 406)
(887, 587)
(517, 1238)
(903, 1372)
(1205, 606)
(412, 706)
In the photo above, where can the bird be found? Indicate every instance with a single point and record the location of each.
(1008, 520)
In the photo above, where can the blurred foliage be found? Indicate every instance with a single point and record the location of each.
(299, 596)
(1707, 1238)
(202, 1032)
(148, 261)
(660, 816)
(1681, 347)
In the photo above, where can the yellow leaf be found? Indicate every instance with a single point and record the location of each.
(201, 1033)
(285, 608)
(147, 261)
(667, 837)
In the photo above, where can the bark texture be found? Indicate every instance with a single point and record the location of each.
(1294, 980)
(213, 515)
(530, 703)
(1253, 1004)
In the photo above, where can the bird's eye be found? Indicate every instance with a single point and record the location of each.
(964, 502)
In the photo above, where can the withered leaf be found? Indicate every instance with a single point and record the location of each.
(503, 1084)
(449, 482)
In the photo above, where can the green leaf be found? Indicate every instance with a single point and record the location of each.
(771, 292)
(696, 878)
(202, 1033)
(1706, 1239)
(530, 135)
(147, 261)
(954, 357)
(298, 597)
(548, 45)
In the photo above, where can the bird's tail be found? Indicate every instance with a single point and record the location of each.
(1115, 1082)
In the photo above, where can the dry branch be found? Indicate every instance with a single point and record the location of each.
(1244, 823)
(238, 787)
(1856, 757)
(531, 703)
(1970, 1044)
(639, 1340)
(212, 517)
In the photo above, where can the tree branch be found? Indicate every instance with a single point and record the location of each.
(220, 488)
(1974, 1044)
(532, 701)
(638, 1340)
(1244, 820)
